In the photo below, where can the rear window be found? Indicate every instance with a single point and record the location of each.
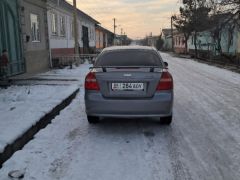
(129, 58)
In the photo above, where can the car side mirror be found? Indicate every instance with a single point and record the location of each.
(166, 64)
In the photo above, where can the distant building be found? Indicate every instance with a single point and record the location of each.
(167, 38)
(152, 40)
(122, 40)
(61, 29)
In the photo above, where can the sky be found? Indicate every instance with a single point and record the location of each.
(137, 18)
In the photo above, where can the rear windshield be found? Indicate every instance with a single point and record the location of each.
(129, 58)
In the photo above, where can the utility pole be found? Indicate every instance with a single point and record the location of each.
(114, 27)
(122, 38)
(172, 33)
(75, 27)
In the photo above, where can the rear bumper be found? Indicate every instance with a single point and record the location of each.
(159, 105)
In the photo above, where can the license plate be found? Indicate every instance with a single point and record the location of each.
(127, 86)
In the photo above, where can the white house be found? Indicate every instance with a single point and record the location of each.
(61, 32)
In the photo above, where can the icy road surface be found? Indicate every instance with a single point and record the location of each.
(202, 143)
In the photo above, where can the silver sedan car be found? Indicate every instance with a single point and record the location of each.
(129, 81)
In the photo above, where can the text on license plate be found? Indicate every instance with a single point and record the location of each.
(127, 86)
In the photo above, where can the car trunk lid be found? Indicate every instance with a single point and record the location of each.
(128, 82)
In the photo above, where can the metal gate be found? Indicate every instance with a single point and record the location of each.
(10, 36)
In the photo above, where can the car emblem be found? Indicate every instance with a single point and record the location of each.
(127, 75)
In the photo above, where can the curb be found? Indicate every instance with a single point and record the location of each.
(18, 144)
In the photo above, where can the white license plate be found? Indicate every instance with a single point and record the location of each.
(127, 86)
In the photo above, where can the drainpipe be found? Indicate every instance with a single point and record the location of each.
(49, 42)
(75, 27)
(172, 33)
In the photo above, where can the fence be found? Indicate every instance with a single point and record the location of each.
(61, 60)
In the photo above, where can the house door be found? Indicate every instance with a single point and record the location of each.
(85, 39)
(10, 36)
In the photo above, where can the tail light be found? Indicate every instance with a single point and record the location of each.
(166, 82)
(91, 82)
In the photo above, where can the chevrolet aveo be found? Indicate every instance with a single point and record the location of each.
(129, 81)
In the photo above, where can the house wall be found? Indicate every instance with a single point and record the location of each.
(167, 43)
(102, 39)
(99, 39)
(61, 44)
(179, 45)
(227, 46)
(65, 44)
(91, 31)
(97, 34)
(205, 43)
(238, 44)
(36, 53)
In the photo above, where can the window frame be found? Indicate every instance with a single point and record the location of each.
(37, 38)
(54, 25)
(62, 24)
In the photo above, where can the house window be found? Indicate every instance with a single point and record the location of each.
(192, 40)
(62, 26)
(54, 23)
(35, 32)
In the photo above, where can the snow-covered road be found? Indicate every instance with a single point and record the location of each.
(202, 143)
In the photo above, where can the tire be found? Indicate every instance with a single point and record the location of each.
(166, 120)
(93, 119)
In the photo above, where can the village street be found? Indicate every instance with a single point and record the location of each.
(203, 142)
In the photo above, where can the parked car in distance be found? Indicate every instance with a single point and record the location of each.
(129, 81)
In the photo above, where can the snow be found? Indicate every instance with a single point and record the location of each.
(202, 143)
(22, 106)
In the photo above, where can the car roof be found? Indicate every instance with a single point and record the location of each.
(115, 48)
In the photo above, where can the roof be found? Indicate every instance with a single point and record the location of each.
(166, 32)
(103, 29)
(64, 3)
(135, 47)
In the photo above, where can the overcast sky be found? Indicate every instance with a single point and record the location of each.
(137, 17)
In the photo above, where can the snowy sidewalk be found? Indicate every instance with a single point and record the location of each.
(22, 107)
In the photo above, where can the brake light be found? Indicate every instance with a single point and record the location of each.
(91, 82)
(166, 82)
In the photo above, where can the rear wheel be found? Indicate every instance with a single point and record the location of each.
(93, 119)
(166, 120)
